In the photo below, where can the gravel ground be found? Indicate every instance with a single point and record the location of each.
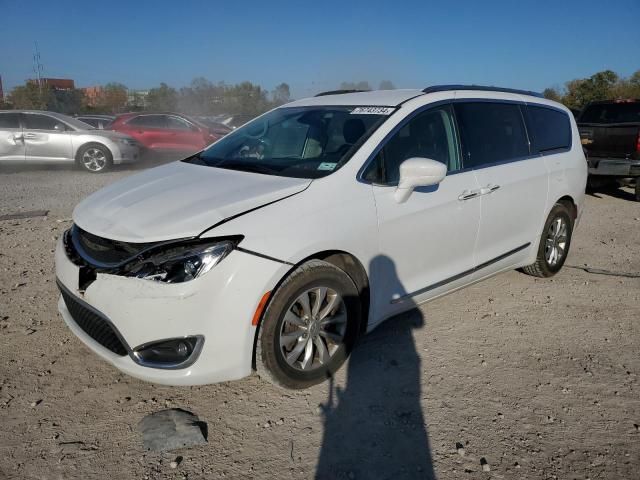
(514, 377)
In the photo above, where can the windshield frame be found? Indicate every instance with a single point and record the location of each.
(255, 167)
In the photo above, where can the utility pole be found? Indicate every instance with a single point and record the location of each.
(38, 68)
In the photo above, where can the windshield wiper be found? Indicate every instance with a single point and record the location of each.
(246, 167)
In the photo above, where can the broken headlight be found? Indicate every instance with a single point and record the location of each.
(180, 263)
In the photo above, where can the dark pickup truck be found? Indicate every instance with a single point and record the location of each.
(610, 135)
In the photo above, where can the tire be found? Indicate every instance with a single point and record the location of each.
(285, 331)
(637, 189)
(554, 235)
(94, 158)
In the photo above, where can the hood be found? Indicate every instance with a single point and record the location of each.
(177, 200)
(112, 134)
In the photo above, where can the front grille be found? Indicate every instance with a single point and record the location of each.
(93, 324)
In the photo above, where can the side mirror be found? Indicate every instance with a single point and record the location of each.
(59, 127)
(418, 172)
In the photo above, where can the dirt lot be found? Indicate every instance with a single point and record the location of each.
(535, 378)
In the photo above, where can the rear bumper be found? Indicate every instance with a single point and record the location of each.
(614, 167)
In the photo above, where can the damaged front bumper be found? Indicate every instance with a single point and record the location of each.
(216, 308)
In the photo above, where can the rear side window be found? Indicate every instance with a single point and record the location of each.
(628, 112)
(90, 121)
(41, 122)
(550, 129)
(491, 132)
(9, 120)
(176, 123)
(149, 121)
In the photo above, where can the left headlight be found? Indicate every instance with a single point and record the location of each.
(127, 141)
(181, 263)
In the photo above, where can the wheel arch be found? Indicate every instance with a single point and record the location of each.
(571, 204)
(346, 262)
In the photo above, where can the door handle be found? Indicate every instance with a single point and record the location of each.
(468, 194)
(489, 189)
(29, 135)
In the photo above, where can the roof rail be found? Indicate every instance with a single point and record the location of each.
(446, 88)
(339, 92)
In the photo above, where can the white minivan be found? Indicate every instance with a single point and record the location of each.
(278, 246)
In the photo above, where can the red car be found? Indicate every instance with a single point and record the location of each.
(171, 132)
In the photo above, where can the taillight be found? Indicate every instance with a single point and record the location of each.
(638, 143)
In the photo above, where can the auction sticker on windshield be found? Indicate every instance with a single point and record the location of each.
(372, 111)
(327, 166)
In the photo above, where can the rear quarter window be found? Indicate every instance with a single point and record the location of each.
(550, 129)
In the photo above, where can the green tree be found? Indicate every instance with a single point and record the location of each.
(362, 85)
(29, 96)
(245, 99)
(162, 98)
(281, 94)
(627, 87)
(113, 98)
(387, 85)
(598, 86)
(66, 101)
(552, 94)
(201, 98)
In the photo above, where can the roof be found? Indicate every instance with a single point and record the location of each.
(61, 116)
(479, 88)
(383, 98)
(393, 98)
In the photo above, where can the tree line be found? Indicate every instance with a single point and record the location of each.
(605, 85)
(203, 97)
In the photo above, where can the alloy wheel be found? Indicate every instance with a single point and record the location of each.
(556, 241)
(94, 159)
(313, 328)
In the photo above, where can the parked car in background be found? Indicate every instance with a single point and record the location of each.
(610, 134)
(215, 126)
(35, 136)
(97, 121)
(281, 244)
(166, 132)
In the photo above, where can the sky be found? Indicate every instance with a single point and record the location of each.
(315, 45)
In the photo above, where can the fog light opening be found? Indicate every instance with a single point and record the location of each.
(170, 353)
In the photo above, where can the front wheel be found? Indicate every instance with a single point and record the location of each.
(309, 327)
(554, 243)
(95, 158)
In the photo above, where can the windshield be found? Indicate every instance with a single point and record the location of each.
(627, 112)
(303, 142)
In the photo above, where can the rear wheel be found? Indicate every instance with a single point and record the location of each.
(554, 243)
(95, 158)
(309, 327)
(637, 189)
